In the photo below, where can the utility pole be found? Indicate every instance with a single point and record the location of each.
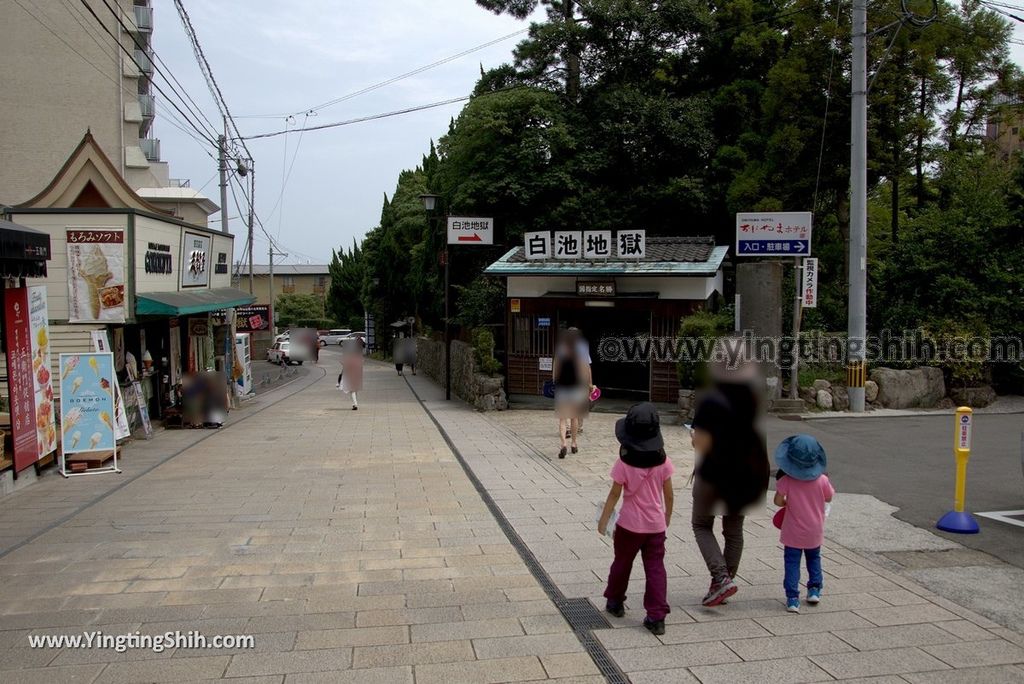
(857, 315)
(447, 329)
(272, 253)
(794, 380)
(252, 214)
(222, 163)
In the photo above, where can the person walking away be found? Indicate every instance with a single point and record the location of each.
(410, 352)
(352, 375)
(399, 353)
(804, 489)
(643, 476)
(571, 382)
(731, 471)
(583, 350)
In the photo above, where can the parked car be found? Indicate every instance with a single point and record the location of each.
(283, 337)
(279, 353)
(334, 336)
(360, 334)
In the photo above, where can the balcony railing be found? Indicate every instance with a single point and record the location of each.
(144, 18)
(148, 105)
(150, 148)
(144, 62)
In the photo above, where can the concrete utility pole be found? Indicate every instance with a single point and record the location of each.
(272, 253)
(252, 214)
(794, 380)
(222, 163)
(857, 321)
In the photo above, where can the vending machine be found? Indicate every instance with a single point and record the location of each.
(243, 349)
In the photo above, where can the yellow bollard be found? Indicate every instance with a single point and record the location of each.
(958, 520)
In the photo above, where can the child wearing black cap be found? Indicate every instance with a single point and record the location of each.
(643, 476)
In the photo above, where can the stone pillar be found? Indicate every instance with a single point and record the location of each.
(759, 285)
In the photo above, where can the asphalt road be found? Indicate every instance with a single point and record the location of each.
(907, 462)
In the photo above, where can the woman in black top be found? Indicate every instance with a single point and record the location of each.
(572, 383)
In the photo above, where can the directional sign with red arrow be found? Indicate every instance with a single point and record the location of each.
(470, 230)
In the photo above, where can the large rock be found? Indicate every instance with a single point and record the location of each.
(916, 388)
(871, 391)
(821, 384)
(975, 397)
(824, 400)
(809, 394)
(840, 398)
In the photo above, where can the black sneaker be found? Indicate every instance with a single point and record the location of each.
(655, 627)
(615, 609)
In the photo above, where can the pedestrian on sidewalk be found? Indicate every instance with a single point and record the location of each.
(643, 477)
(399, 353)
(583, 350)
(803, 489)
(731, 471)
(572, 382)
(352, 373)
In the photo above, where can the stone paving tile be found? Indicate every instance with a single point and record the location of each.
(72, 674)
(670, 676)
(782, 671)
(978, 653)
(967, 631)
(362, 636)
(768, 648)
(544, 624)
(811, 624)
(519, 669)
(322, 660)
(674, 656)
(562, 665)
(526, 645)
(413, 654)
(377, 675)
(906, 615)
(490, 611)
(871, 663)
(475, 629)
(1001, 674)
(183, 670)
(408, 616)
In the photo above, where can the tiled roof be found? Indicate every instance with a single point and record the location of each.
(664, 256)
(286, 269)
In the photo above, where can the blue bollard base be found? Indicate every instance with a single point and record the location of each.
(959, 523)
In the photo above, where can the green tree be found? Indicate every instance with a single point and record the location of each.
(300, 310)
(347, 269)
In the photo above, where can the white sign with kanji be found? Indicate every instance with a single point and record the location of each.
(809, 291)
(537, 245)
(783, 233)
(568, 244)
(470, 230)
(631, 244)
(597, 244)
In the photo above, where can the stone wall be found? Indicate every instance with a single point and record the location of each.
(483, 392)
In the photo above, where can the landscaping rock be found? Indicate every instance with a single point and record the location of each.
(840, 398)
(916, 388)
(809, 394)
(975, 397)
(945, 403)
(820, 384)
(871, 391)
(824, 400)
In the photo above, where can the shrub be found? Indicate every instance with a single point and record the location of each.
(483, 352)
(704, 328)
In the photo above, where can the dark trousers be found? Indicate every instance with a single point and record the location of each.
(651, 547)
(814, 577)
(722, 566)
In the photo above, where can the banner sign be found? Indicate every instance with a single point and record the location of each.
(121, 429)
(254, 318)
(87, 384)
(785, 233)
(28, 377)
(39, 327)
(195, 260)
(470, 230)
(588, 245)
(809, 292)
(96, 280)
(143, 406)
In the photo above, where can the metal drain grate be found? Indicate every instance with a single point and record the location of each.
(600, 656)
(581, 614)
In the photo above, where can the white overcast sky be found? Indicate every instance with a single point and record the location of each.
(272, 58)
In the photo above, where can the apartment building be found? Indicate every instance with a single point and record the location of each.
(65, 74)
(1005, 126)
(311, 279)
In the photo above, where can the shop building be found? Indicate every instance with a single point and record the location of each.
(622, 299)
(159, 287)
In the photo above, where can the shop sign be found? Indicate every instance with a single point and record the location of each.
(198, 327)
(470, 230)
(158, 259)
(515, 305)
(590, 245)
(222, 263)
(810, 283)
(595, 288)
(544, 322)
(87, 402)
(545, 363)
(96, 281)
(784, 233)
(30, 387)
(254, 318)
(195, 260)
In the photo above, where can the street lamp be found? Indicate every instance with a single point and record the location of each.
(430, 203)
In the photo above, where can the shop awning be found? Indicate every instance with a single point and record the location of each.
(23, 251)
(191, 302)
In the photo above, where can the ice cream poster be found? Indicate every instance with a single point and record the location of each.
(96, 275)
(87, 402)
(38, 322)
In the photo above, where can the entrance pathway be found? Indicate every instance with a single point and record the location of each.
(871, 623)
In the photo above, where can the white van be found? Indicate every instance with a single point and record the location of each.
(334, 336)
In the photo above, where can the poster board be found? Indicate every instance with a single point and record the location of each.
(96, 275)
(121, 429)
(87, 407)
(143, 409)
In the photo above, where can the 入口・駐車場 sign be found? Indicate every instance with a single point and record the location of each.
(784, 233)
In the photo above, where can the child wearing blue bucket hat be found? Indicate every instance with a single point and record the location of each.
(803, 490)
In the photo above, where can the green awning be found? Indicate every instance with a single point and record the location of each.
(190, 301)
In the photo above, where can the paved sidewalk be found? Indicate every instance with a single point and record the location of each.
(871, 623)
(351, 544)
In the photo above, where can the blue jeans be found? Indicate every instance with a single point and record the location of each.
(792, 580)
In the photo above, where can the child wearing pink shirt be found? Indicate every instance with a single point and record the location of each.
(643, 477)
(803, 489)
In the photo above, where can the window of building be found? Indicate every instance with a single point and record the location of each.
(320, 284)
(289, 284)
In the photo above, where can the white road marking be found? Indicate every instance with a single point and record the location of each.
(1004, 517)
